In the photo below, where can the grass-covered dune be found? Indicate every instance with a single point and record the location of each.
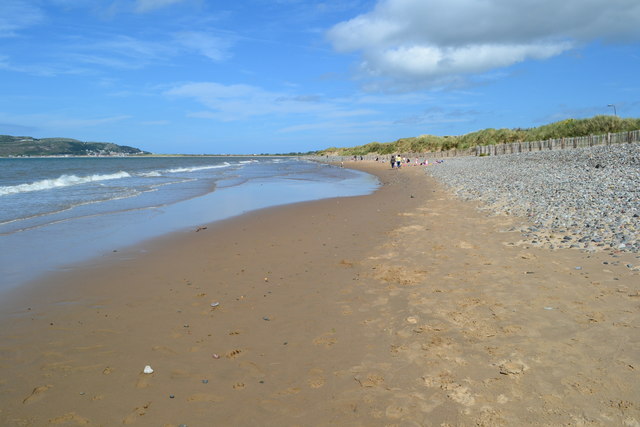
(428, 143)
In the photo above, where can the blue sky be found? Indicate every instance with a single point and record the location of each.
(273, 76)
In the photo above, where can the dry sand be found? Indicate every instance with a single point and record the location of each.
(406, 307)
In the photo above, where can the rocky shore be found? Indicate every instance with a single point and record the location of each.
(584, 198)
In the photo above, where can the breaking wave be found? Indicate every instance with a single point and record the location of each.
(61, 181)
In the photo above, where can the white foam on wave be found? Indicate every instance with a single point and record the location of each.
(152, 174)
(61, 181)
(199, 168)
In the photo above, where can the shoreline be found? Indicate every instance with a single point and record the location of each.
(44, 239)
(404, 306)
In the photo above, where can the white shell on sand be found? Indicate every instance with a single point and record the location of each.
(148, 370)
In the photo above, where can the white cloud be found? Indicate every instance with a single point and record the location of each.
(427, 42)
(149, 5)
(214, 48)
(16, 15)
(239, 101)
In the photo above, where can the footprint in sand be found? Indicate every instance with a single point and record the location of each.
(460, 394)
(238, 386)
(136, 413)
(143, 380)
(70, 418)
(233, 354)
(395, 411)
(325, 339)
(164, 350)
(370, 380)
(289, 391)
(316, 378)
(36, 394)
(400, 276)
(465, 245)
(204, 397)
(512, 367)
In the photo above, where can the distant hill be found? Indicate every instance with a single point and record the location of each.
(19, 146)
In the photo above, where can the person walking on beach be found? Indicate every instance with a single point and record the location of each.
(393, 161)
(398, 161)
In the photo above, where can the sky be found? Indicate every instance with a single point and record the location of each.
(280, 76)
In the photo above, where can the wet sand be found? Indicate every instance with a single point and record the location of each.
(405, 307)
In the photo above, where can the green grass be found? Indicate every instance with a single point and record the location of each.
(569, 128)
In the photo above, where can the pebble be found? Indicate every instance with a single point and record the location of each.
(585, 198)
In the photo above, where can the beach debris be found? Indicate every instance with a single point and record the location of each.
(412, 320)
(214, 304)
(548, 308)
(200, 229)
(171, 396)
(148, 370)
(578, 268)
(205, 381)
(215, 356)
(266, 318)
(266, 279)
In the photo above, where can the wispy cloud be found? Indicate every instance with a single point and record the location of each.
(239, 101)
(82, 122)
(213, 47)
(143, 6)
(338, 128)
(122, 52)
(439, 115)
(16, 15)
(57, 122)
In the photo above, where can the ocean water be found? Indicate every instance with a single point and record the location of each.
(56, 212)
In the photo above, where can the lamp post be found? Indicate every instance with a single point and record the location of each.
(615, 113)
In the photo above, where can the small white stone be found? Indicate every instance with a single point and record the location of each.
(148, 370)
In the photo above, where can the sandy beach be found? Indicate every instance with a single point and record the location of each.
(406, 307)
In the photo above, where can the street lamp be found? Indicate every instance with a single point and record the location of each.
(615, 113)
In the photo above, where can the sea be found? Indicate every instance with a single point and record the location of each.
(58, 212)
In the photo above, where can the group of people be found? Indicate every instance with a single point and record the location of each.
(397, 161)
